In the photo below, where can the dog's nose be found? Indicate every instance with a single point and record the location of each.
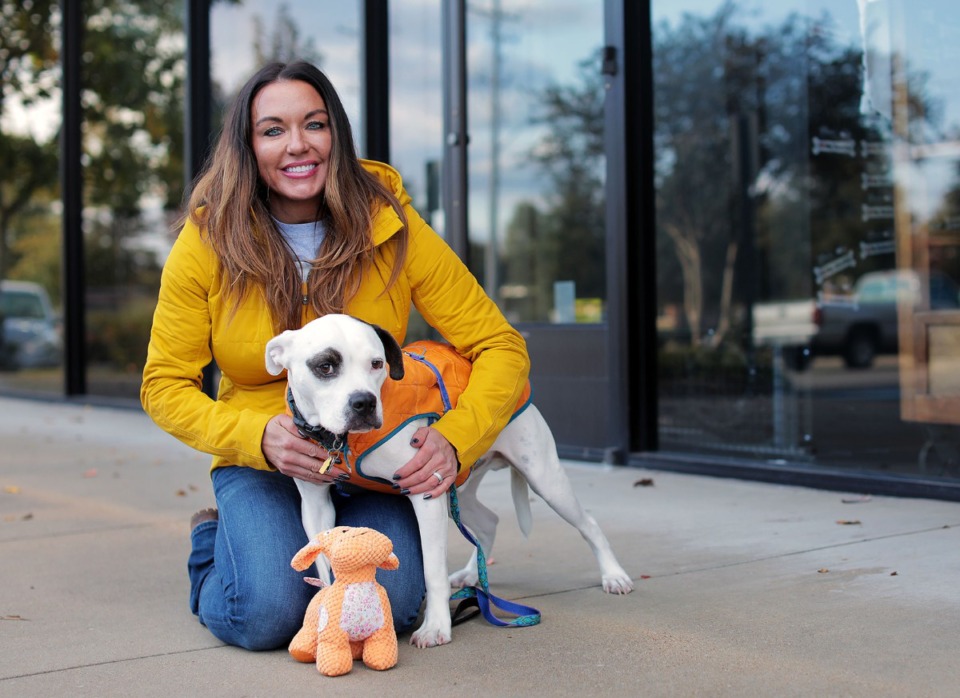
(363, 404)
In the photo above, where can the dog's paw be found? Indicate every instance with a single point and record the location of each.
(464, 578)
(429, 637)
(617, 583)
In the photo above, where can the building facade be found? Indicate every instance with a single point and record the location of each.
(729, 229)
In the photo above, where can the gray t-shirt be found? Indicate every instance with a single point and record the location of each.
(304, 239)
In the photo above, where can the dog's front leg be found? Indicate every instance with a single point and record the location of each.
(317, 514)
(432, 519)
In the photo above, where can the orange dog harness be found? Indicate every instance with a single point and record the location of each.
(434, 376)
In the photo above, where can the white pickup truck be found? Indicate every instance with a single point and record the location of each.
(856, 327)
(788, 325)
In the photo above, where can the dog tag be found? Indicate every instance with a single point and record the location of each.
(326, 465)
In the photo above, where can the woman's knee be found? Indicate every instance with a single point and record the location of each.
(265, 623)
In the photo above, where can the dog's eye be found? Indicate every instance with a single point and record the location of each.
(325, 364)
(376, 364)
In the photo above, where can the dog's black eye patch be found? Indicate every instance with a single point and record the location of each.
(326, 364)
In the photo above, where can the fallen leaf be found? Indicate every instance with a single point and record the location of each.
(181, 493)
(90, 473)
(644, 576)
(11, 489)
(645, 482)
(26, 517)
(849, 522)
(893, 574)
(823, 570)
(12, 618)
(857, 500)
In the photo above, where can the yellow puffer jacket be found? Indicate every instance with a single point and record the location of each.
(193, 323)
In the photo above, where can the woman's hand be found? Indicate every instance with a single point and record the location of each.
(296, 456)
(433, 469)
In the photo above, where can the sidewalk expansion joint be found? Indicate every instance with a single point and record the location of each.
(111, 661)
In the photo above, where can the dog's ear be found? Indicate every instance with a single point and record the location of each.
(392, 350)
(276, 353)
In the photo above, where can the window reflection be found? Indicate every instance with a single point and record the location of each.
(416, 116)
(31, 343)
(806, 164)
(132, 77)
(536, 158)
(245, 36)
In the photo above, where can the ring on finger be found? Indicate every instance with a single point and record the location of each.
(436, 474)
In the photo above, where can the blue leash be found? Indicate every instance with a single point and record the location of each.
(477, 596)
(480, 596)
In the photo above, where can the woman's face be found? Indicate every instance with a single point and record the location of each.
(292, 142)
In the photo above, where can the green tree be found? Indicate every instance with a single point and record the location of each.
(284, 42)
(29, 71)
(699, 68)
(566, 240)
(748, 200)
(132, 80)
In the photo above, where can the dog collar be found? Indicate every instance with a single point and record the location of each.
(332, 443)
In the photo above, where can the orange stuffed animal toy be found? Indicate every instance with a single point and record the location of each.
(351, 618)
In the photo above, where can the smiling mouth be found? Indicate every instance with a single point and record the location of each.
(300, 169)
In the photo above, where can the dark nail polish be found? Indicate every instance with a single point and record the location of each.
(395, 486)
(414, 442)
(396, 477)
(428, 496)
(404, 491)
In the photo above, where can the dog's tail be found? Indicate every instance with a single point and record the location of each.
(521, 501)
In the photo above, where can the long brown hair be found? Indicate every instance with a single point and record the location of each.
(230, 202)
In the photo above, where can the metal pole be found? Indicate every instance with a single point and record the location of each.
(197, 113)
(376, 80)
(198, 93)
(71, 179)
(491, 275)
(455, 127)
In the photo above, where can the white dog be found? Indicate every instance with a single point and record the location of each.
(335, 367)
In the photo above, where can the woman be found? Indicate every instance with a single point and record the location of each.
(287, 224)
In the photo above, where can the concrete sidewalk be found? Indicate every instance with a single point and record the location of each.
(743, 589)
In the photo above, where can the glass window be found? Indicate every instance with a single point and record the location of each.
(132, 79)
(245, 36)
(416, 115)
(31, 337)
(536, 178)
(808, 249)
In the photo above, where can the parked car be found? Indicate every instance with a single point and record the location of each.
(865, 324)
(789, 325)
(31, 336)
(856, 326)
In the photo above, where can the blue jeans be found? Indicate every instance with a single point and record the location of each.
(242, 586)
